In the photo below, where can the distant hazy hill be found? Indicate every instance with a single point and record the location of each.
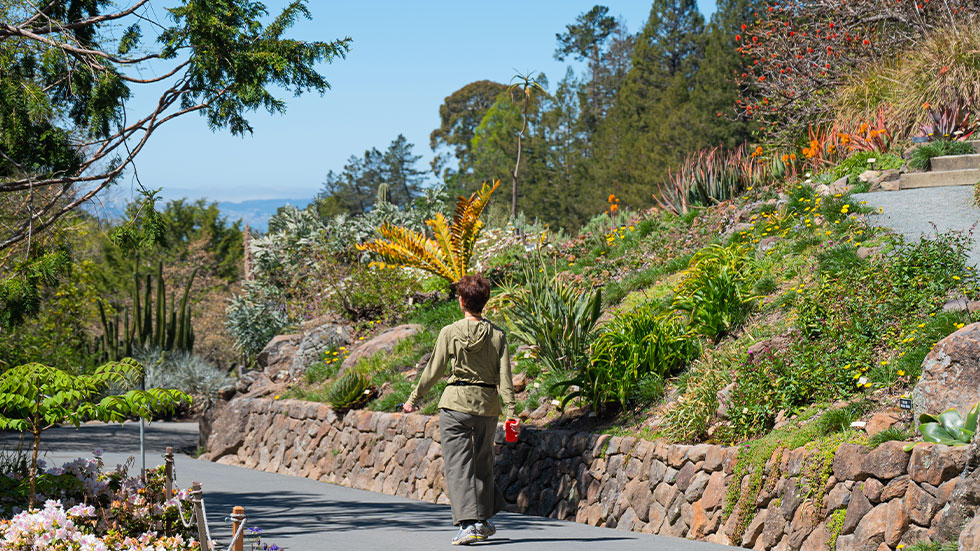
(255, 212)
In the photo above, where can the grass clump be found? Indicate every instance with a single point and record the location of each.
(921, 158)
(889, 435)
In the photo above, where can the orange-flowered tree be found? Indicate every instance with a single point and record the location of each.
(797, 52)
(448, 253)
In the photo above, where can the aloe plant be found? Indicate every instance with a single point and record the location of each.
(710, 176)
(948, 428)
(350, 391)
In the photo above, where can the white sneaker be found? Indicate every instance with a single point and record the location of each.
(486, 528)
(468, 534)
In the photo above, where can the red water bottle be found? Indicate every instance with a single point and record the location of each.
(510, 430)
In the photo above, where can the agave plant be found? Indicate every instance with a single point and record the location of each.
(949, 122)
(448, 255)
(948, 428)
(350, 391)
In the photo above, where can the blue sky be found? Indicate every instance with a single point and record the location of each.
(405, 58)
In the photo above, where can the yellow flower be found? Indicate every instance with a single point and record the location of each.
(884, 362)
(957, 278)
(901, 373)
(277, 397)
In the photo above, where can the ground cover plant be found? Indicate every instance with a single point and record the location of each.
(922, 156)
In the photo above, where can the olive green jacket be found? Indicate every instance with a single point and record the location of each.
(474, 352)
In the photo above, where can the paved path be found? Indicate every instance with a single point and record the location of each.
(917, 212)
(299, 514)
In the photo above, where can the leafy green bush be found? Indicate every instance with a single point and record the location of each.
(716, 290)
(922, 156)
(839, 258)
(553, 315)
(854, 165)
(350, 391)
(255, 316)
(632, 346)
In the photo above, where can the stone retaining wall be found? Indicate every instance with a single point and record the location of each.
(804, 499)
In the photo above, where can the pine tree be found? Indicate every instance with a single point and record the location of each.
(715, 89)
(648, 129)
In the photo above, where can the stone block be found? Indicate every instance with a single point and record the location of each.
(920, 505)
(935, 463)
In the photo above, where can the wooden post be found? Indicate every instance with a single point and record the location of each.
(238, 520)
(168, 471)
(202, 523)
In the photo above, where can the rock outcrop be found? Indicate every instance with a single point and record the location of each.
(949, 374)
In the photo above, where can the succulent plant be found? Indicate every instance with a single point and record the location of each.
(948, 428)
(350, 391)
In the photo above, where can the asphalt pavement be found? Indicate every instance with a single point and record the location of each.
(302, 514)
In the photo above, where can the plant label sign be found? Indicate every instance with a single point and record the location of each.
(905, 403)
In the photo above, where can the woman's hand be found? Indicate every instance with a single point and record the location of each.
(516, 426)
(408, 408)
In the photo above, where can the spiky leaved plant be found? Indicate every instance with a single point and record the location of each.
(350, 391)
(448, 255)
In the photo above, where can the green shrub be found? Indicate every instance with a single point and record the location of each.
(764, 286)
(553, 315)
(922, 156)
(715, 292)
(858, 163)
(629, 348)
(839, 258)
(255, 316)
(350, 391)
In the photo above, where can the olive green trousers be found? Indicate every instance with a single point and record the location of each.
(467, 450)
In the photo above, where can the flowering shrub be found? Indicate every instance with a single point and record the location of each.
(796, 51)
(86, 509)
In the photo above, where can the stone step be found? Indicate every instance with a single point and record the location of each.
(955, 162)
(912, 180)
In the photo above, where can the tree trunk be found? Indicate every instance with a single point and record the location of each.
(33, 470)
(517, 165)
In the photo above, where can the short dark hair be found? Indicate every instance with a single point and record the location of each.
(475, 292)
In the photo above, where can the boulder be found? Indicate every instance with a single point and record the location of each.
(823, 190)
(840, 187)
(970, 537)
(278, 354)
(386, 341)
(870, 176)
(949, 374)
(858, 507)
(883, 420)
(315, 342)
(228, 429)
(724, 397)
(520, 382)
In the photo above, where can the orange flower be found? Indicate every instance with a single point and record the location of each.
(925, 105)
(792, 156)
(864, 128)
(612, 197)
(785, 157)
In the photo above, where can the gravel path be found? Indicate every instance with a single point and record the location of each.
(300, 514)
(917, 212)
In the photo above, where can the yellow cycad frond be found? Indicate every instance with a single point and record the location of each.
(449, 254)
(466, 221)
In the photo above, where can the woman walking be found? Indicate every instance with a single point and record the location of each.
(475, 353)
